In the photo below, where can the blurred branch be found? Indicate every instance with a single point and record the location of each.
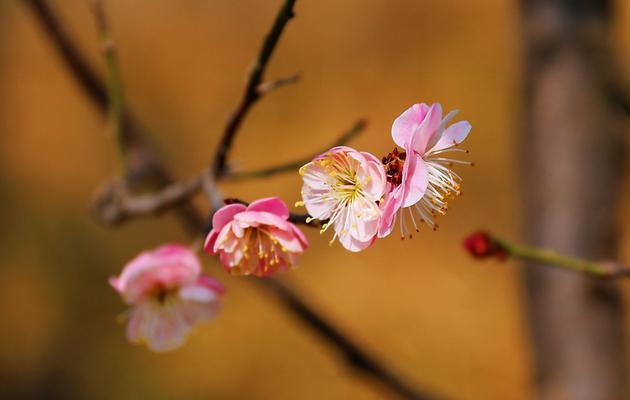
(114, 84)
(151, 169)
(294, 165)
(353, 354)
(252, 91)
(145, 169)
(572, 168)
(114, 205)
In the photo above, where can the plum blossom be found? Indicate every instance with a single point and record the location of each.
(344, 186)
(168, 295)
(257, 239)
(420, 176)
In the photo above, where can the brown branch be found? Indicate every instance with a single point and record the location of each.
(252, 91)
(150, 169)
(112, 209)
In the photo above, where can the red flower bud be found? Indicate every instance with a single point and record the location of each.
(481, 245)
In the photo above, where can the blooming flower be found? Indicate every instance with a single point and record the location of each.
(343, 186)
(257, 239)
(420, 176)
(167, 294)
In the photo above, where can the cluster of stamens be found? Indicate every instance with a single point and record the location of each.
(394, 163)
(443, 185)
(262, 253)
(345, 189)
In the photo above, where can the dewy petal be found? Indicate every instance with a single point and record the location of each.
(271, 205)
(453, 135)
(405, 125)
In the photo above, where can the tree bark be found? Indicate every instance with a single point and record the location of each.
(572, 166)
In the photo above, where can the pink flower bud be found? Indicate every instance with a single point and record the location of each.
(481, 245)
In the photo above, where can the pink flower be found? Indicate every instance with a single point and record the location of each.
(420, 176)
(167, 294)
(257, 239)
(343, 186)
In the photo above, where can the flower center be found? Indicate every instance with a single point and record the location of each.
(162, 294)
(394, 163)
(262, 252)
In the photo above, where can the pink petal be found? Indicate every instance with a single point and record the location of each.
(225, 214)
(427, 128)
(168, 266)
(287, 239)
(389, 208)
(375, 185)
(454, 134)
(258, 218)
(405, 125)
(211, 239)
(160, 328)
(211, 284)
(415, 185)
(198, 293)
(300, 236)
(317, 204)
(226, 240)
(354, 245)
(272, 205)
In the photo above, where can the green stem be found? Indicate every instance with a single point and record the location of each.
(549, 257)
(294, 165)
(114, 85)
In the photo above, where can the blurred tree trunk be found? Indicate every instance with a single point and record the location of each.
(572, 168)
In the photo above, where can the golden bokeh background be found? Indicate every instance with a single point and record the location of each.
(443, 321)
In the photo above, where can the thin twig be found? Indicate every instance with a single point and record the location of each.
(596, 269)
(95, 90)
(267, 87)
(114, 83)
(252, 92)
(484, 245)
(293, 165)
(111, 210)
(145, 167)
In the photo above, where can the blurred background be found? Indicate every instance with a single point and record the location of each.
(441, 320)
